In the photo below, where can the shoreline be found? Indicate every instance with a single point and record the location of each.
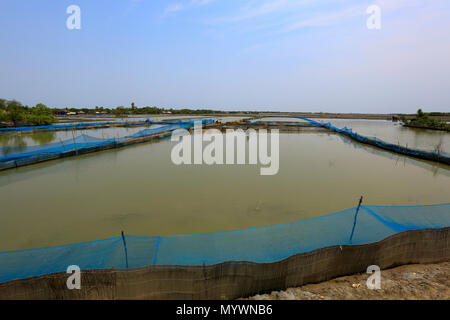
(407, 282)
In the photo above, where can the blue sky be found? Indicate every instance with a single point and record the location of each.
(281, 55)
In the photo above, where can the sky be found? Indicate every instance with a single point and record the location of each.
(267, 55)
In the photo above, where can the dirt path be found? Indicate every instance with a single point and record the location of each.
(431, 281)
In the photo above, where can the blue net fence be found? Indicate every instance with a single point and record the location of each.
(434, 155)
(19, 156)
(78, 125)
(83, 125)
(262, 245)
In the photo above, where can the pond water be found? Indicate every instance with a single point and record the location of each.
(11, 140)
(386, 130)
(140, 191)
(389, 131)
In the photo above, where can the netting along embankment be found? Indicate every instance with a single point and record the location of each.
(77, 126)
(21, 156)
(317, 243)
(433, 155)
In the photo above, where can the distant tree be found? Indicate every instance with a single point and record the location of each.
(40, 115)
(16, 112)
(120, 111)
(421, 114)
(422, 120)
(3, 115)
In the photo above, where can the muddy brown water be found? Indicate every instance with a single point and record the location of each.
(140, 191)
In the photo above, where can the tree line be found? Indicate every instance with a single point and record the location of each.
(122, 110)
(12, 111)
(423, 120)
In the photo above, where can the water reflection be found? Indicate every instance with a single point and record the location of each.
(435, 167)
(139, 190)
(396, 133)
(43, 137)
(9, 142)
(16, 143)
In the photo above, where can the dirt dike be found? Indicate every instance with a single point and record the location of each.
(408, 282)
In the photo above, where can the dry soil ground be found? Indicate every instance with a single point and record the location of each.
(417, 281)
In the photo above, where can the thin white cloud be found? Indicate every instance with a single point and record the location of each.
(174, 8)
(179, 6)
(294, 12)
(334, 18)
(397, 4)
(258, 9)
(328, 19)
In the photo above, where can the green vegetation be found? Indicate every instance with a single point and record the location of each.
(40, 115)
(13, 111)
(121, 110)
(423, 120)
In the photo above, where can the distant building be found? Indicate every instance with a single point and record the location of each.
(59, 112)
